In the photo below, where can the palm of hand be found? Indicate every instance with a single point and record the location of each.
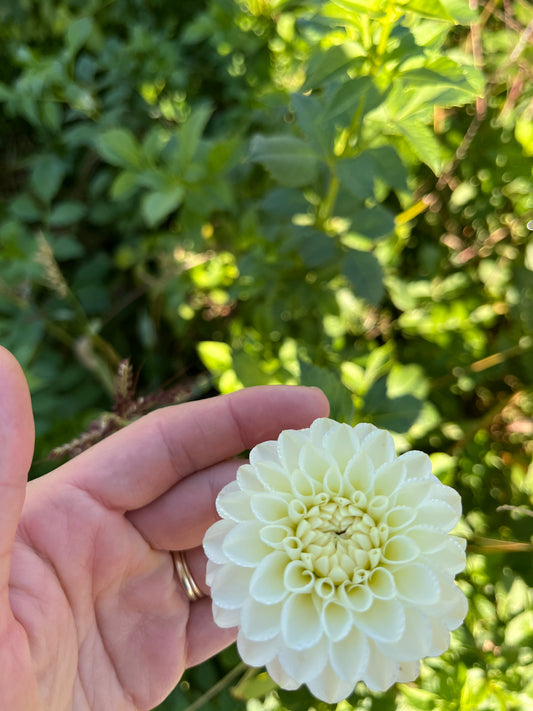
(92, 616)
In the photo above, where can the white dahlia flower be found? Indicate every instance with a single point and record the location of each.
(333, 558)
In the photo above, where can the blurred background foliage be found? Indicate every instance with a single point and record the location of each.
(202, 196)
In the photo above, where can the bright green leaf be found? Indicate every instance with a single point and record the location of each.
(216, 356)
(433, 9)
(118, 146)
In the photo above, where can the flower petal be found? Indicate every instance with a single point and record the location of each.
(341, 444)
(357, 597)
(409, 671)
(256, 654)
(260, 622)
(225, 618)
(381, 583)
(389, 477)
(363, 429)
(381, 671)
(414, 644)
(379, 446)
(248, 479)
(359, 473)
(400, 549)
(300, 622)
(320, 428)
(417, 464)
(315, 462)
(280, 676)
(438, 514)
(412, 492)
(383, 621)
(270, 508)
(265, 452)
(417, 584)
(328, 687)
(451, 556)
(298, 578)
(272, 476)
(399, 516)
(440, 637)
(229, 588)
(348, 657)
(290, 442)
(267, 583)
(233, 503)
(337, 620)
(243, 544)
(214, 540)
(427, 538)
(274, 535)
(305, 664)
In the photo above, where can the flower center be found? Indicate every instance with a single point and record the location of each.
(341, 539)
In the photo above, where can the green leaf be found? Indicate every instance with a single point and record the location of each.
(358, 6)
(216, 356)
(124, 185)
(388, 167)
(373, 222)
(189, 137)
(340, 399)
(357, 175)
(359, 94)
(423, 143)
(78, 32)
(290, 160)
(433, 9)
(311, 120)
(315, 248)
(395, 414)
(248, 371)
(157, 205)
(519, 630)
(47, 175)
(327, 65)
(118, 146)
(66, 213)
(364, 273)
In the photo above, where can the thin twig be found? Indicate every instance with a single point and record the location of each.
(217, 688)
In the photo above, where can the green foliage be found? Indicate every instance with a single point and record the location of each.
(332, 193)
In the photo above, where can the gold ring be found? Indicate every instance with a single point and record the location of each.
(192, 590)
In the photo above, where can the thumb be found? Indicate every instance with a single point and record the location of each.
(16, 451)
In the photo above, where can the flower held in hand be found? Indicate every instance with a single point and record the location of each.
(334, 559)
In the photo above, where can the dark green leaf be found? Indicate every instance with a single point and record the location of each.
(157, 205)
(340, 399)
(290, 160)
(119, 147)
(396, 414)
(47, 175)
(365, 275)
(66, 213)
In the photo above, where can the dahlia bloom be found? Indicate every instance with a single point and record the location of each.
(333, 558)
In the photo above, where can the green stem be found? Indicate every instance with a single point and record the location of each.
(217, 688)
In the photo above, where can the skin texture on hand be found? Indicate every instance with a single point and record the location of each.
(92, 615)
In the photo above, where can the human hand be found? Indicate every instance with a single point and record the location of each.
(92, 613)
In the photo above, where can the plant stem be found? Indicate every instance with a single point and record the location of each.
(216, 688)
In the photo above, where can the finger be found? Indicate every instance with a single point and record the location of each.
(133, 467)
(180, 517)
(16, 451)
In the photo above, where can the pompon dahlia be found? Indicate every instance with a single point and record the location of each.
(334, 559)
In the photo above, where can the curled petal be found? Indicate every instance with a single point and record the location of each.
(349, 655)
(337, 620)
(303, 485)
(260, 622)
(451, 556)
(379, 446)
(315, 462)
(248, 480)
(280, 676)
(341, 444)
(381, 671)
(363, 429)
(273, 477)
(214, 540)
(320, 428)
(275, 534)
(417, 584)
(210, 571)
(359, 473)
(298, 578)
(267, 582)
(399, 516)
(384, 621)
(438, 514)
(333, 482)
(300, 622)
(357, 597)
(440, 637)
(243, 544)
(412, 492)
(417, 464)
(329, 687)
(389, 477)
(270, 508)
(448, 495)
(225, 618)
(256, 654)
(265, 452)
(290, 442)
(414, 644)
(400, 549)
(233, 503)
(229, 587)
(306, 664)
(381, 584)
